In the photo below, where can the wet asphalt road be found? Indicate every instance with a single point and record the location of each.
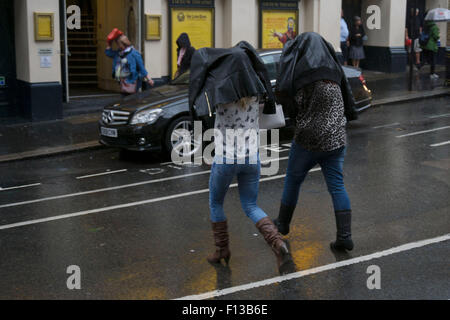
(141, 230)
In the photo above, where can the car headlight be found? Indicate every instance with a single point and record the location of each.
(147, 116)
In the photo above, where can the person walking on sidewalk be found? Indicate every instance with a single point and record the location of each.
(128, 66)
(320, 99)
(344, 39)
(430, 47)
(357, 37)
(412, 32)
(232, 82)
(185, 52)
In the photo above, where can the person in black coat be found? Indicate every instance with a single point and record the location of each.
(357, 37)
(312, 83)
(185, 52)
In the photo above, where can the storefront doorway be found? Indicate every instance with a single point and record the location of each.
(351, 8)
(88, 69)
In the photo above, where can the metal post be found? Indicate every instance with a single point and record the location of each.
(412, 53)
(141, 20)
(64, 48)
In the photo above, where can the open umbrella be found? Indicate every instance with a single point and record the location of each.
(438, 15)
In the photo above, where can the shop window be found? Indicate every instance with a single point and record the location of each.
(196, 19)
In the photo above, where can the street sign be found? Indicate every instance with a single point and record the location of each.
(46, 61)
(45, 52)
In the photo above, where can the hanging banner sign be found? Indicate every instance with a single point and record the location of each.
(278, 22)
(277, 27)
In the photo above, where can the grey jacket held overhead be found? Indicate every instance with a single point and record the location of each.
(307, 59)
(221, 76)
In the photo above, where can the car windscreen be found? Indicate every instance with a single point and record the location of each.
(351, 72)
(271, 61)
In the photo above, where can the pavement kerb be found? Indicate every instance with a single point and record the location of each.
(93, 145)
(50, 151)
(412, 96)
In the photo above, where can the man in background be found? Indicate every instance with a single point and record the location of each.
(344, 39)
(413, 30)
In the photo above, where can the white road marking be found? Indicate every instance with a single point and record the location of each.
(102, 174)
(202, 157)
(304, 273)
(440, 116)
(20, 187)
(152, 171)
(175, 167)
(125, 205)
(14, 204)
(102, 190)
(272, 160)
(421, 132)
(95, 96)
(387, 125)
(440, 144)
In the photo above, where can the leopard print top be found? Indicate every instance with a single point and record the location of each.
(320, 123)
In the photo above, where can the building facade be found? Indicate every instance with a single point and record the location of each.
(55, 48)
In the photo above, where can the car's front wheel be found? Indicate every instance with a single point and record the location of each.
(180, 138)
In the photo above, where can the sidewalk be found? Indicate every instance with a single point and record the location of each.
(393, 87)
(80, 132)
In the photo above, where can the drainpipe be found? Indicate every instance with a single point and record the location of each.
(140, 21)
(412, 53)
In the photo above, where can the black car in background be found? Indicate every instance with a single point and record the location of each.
(152, 120)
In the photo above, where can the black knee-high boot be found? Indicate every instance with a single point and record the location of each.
(344, 231)
(284, 219)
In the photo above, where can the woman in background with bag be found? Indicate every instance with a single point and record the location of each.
(313, 85)
(232, 82)
(128, 66)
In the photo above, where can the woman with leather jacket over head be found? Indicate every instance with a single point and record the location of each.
(232, 82)
(313, 85)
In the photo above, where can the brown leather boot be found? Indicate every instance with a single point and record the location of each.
(220, 231)
(274, 239)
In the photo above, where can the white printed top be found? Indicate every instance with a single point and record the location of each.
(236, 133)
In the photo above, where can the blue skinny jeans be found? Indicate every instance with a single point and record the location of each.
(301, 161)
(248, 184)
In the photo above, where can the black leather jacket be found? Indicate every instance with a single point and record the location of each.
(221, 76)
(307, 59)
